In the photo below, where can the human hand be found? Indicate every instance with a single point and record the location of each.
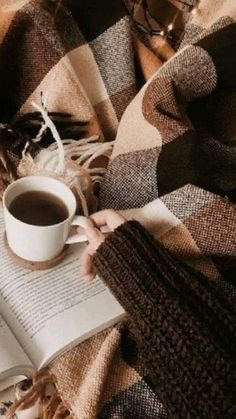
(109, 218)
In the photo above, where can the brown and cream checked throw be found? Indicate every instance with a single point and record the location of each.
(173, 166)
(82, 57)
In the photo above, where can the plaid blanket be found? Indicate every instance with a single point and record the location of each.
(173, 166)
(82, 56)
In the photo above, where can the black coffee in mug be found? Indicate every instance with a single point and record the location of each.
(39, 208)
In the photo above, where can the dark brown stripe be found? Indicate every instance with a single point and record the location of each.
(26, 56)
(175, 166)
(94, 17)
(121, 100)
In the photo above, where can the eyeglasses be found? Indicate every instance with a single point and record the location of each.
(161, 17)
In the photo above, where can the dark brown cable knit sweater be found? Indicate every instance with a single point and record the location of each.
(186, 332)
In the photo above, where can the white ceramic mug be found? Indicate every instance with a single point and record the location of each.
(41, 243)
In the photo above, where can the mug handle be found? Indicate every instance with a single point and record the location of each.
(80, 220)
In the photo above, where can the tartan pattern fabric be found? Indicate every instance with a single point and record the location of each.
(183, 154)
(51, 51)
(189, 149)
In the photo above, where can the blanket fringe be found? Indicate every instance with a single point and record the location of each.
(43, 391)
(70, 161)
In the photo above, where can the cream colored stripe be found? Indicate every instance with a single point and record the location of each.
(5, 21)
(135, 132)
(209, 11)
(65, 93)
(12, 4)
(86, 70)
(155, 217)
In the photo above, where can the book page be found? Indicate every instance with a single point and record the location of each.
(51, 310)
(13, 360)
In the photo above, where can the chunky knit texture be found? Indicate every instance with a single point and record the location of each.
(185, 332)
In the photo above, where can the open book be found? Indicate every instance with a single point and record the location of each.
(44, 313)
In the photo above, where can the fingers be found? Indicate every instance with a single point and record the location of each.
(109, 217)
(95, 238)
(87, 263)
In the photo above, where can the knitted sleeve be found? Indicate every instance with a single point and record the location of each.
(185, 332)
